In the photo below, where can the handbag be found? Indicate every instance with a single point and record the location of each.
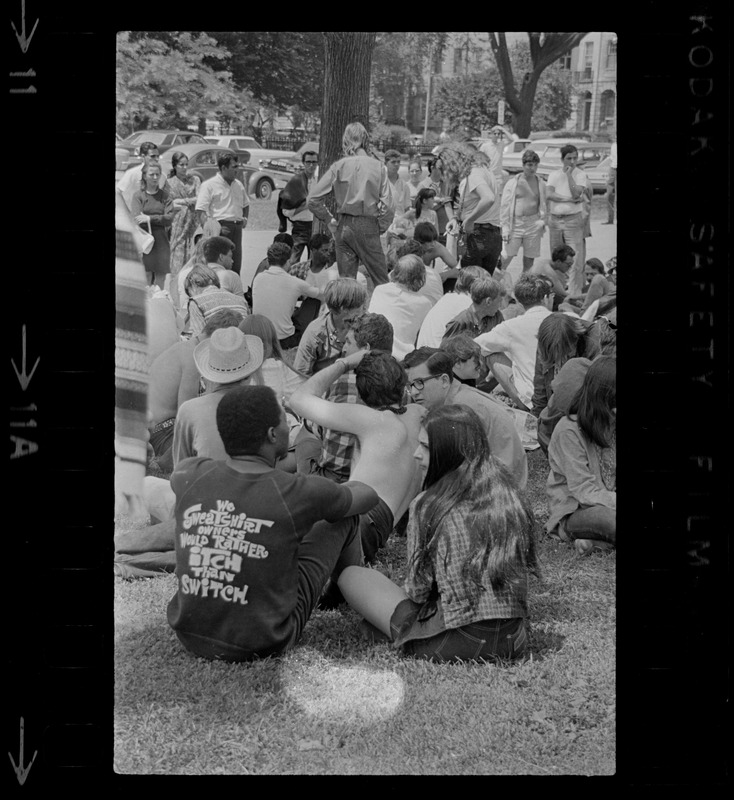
(143, 240)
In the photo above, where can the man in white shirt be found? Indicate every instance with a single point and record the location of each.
(224, 198)
(569, 198)
(275, 294)
(512, 345)
(130, 182)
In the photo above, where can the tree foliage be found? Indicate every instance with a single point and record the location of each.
(167, 81)
(544, 49)
(471, 101)
(282, 69)
(398, 67)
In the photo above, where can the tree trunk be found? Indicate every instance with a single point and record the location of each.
(542, 56)
(347, 70)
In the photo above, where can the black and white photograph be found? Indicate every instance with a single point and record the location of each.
(348, 433)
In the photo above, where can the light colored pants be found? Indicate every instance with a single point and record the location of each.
(569, 229)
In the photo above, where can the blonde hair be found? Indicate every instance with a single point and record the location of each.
(355, 137)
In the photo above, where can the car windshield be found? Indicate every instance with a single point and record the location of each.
(147, 136)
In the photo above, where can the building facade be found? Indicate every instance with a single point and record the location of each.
(593, 64)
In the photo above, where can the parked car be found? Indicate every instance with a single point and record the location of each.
(257, 152)
(162, 139)
(260, 183)
(549, 151)
(203, 161)
(598, 175)
(512, 155)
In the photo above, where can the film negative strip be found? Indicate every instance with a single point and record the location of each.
(674, 405)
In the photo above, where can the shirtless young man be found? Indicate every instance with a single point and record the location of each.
(522, 213)
(387, 431)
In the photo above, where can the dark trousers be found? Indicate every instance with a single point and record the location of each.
(301, 233)
(483, 247)
(358, 240)
(233, 231)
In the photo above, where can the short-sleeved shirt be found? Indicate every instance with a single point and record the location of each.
(469, 198)
(237, 539)
(274, 295)
(558, 182)
(517, 338)
(222, 200)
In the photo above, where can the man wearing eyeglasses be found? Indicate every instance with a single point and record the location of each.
(129, 183)
(293, 203)
(431, 384)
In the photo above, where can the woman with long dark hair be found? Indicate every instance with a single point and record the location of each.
(470, 548)
(582, 483)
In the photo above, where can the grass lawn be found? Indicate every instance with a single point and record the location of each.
(339, 705)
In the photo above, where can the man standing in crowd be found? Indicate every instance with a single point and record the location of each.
(364, 206)
(568, 193)
(224, 198)
(129, 183)
(522, 213)
(292, 200)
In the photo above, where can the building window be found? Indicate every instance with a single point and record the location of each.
(585, 103)
(564, 62)
(612, 54)
(606, 109)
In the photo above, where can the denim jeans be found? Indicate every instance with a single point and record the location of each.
(569, 229)
(592, 522)
(489, 639)
(483, 247)
(358, 240)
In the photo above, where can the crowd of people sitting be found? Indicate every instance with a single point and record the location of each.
(390, 384)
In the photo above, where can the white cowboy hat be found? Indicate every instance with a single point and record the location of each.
(228, 355)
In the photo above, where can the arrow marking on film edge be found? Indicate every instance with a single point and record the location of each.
(21, 772)
(24, 42)
(23, 378)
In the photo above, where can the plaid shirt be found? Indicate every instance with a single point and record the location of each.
(454, 589)
(337, 448)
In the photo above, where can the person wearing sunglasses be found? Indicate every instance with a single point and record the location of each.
(292, 202)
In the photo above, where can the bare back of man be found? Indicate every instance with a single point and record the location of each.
(173, 379)
(387, 439)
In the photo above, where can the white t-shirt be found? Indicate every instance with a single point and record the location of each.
(274, 295)
(469, 199)
(558, 182)
(434, 324)
(404, 310)
(517, 338)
